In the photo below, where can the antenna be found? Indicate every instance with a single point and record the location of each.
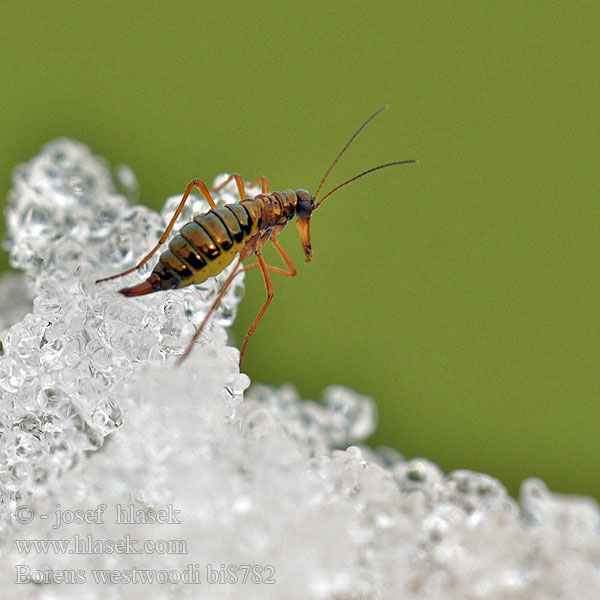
(335, 189)
(345, 148)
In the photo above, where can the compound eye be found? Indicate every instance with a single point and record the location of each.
(305, 204)
(304, 209)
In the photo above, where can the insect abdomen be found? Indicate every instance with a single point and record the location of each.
(202, 249)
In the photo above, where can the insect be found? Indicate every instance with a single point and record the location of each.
(208, 244)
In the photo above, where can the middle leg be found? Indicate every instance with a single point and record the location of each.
(269, 286)
(241, 186)
(291, 272)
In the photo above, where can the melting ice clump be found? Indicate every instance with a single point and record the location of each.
(257, 496)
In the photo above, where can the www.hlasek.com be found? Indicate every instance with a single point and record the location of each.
(89, 544)
(193, 574)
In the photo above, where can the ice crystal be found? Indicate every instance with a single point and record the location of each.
(131, 478)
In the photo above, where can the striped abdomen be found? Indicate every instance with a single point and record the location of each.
(205, 246)
(202, 249)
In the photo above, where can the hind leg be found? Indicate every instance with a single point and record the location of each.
(210, 312)
(195, 183)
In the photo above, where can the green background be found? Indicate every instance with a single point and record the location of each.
(460, 293)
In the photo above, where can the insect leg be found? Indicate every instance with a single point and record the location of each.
(195, 183)
(286, 259)
(264, 184)
(210, 312)
(292, 272)
(269, 268)
(269, 286)
(239, 181)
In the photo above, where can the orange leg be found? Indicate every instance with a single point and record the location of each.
(264, 184)
(292, 272)
(286, 259)
(196, 183)
(269, 286)
(210, 312)
(236, 271)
